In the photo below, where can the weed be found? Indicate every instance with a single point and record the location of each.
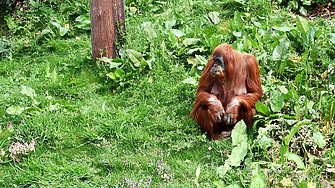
(94, 124)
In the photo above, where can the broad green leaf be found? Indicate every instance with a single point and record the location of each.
(283, 150)
(55, 24)
(29, 92)
(298, 78)
(201, 59)
(214, 16)
(232, 25)
(170, 23)
(306, 2)
(135, 53)
(294, 4)
(258, 179)
(44, 32)
(84, 24)
(237, 34)
(239, 46)
(173, 38)
(190, 41)
(303, 11)
(309, 40)
(190, 80)
(286, 93)
(197, 173)
(284, 29)
(330, 110)
(191, 51)
(47, 71)
(63, 30)
(192, 61)
(332, 40)
(239, 133)
(53, 76)
(222, 170)
(149, 62)
(111, 75)
(237, 18)
(257, 24)
(117, 60)
(255, 168)
(177, 32)
(82, 18)
(247, 43)
(294, 130)
(296, 159)
(281, 50)
(302, 26)
(282, 89)
(135, 57)
(253, 43)
(281, 65)
(33, 109)
(233, 186)
(299, 112)
(10, 22)
(14, 110)
(145, 63)
(294, 93)
(114, 65)
(215, 41)
(262, 108)
(276, 101)
(197, 27)
(318, 137)
(119, 73)
(264, 142)
(237, 154)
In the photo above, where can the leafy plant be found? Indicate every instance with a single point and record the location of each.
(28, 91)
(239, 140)
(295, 5)
(5, 47)
(84, 121)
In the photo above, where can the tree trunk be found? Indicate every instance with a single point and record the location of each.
(107, 21)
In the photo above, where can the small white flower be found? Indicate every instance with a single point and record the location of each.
(330, 69)
(331, 87)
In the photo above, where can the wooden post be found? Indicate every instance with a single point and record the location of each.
(107, 18)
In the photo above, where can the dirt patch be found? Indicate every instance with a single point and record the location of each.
(323, 11)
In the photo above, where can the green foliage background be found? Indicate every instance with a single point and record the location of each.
(111, 122)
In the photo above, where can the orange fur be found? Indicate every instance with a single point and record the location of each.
(241, 82)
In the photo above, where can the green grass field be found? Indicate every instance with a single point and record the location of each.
(122, 124)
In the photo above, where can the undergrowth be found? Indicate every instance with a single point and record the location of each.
(67, 120)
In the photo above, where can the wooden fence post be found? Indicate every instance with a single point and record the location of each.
(107, 18)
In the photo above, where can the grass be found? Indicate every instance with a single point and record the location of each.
(86, 140)
(93, 131)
